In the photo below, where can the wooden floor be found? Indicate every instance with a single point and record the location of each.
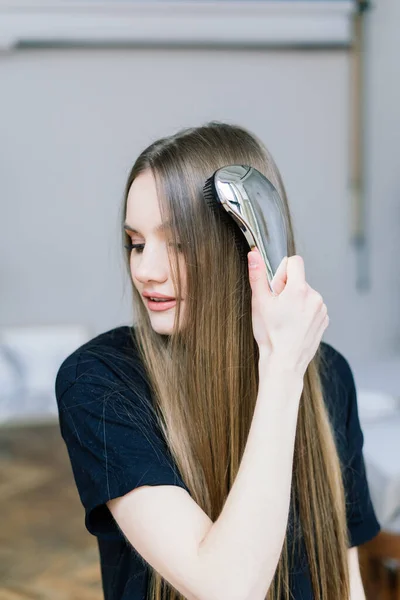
(45, 552)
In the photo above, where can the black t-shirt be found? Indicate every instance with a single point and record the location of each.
(115, 445)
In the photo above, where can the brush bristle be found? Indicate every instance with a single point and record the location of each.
(210, 197)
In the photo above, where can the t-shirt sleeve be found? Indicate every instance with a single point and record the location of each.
(111, 436)
(361, 518)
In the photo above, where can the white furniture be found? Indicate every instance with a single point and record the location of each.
(29, 360)
(380, 421)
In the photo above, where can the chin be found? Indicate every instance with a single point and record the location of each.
(163, 330)
(163, 326)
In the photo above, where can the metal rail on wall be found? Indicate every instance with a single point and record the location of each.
(358, 233)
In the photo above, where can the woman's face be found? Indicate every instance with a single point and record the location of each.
(149, 262)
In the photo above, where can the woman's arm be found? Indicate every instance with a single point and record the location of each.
(242, 548)
(236, 556)
(356, 584)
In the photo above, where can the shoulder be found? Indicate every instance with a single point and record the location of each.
(102, 391)
(336, 375)
(339, 390)
(108, 360)
(336, 370)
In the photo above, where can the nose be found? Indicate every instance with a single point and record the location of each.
(150, 266)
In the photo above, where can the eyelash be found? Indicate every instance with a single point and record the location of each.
(137, 246)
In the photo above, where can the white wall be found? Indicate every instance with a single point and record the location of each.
(72, 122)
(383, 168)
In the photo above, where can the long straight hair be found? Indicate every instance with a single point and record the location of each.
(204, 376)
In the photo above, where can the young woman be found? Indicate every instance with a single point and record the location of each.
(215, 443)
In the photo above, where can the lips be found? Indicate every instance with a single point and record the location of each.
(159, 298)
(157, 295)
(160, 306)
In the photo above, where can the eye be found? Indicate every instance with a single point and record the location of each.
(137, 247)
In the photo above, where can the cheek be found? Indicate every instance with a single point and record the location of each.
(133, 262)
(132, 268)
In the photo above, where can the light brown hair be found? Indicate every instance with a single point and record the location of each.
(204, 377)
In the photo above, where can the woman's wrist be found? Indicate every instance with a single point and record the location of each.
(272, 365)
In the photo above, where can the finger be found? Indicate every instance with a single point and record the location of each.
(278, 282)
(258, 274)
(296, 276)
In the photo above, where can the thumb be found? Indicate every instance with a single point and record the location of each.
(278, 282)
(258, 274)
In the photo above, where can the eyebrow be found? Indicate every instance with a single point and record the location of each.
(158, 229)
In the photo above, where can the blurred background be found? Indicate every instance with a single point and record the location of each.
(85, 86)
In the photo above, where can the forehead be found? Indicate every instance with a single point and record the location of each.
(143, 191)
(142, 207)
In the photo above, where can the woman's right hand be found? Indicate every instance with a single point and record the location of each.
(289, 325)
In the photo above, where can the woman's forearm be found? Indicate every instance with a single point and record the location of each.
(241, 550)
